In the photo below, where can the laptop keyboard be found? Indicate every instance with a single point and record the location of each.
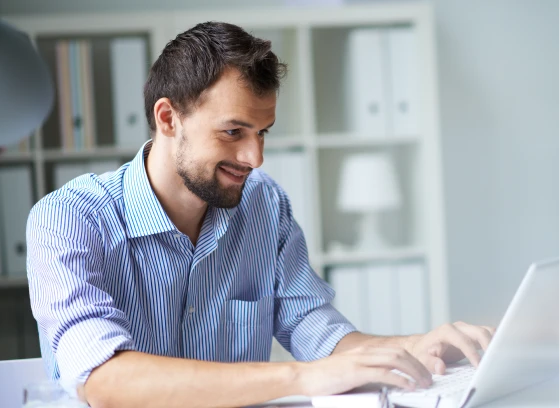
(455, 380)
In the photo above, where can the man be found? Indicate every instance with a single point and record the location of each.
(149, 282)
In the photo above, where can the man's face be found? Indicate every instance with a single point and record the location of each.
(222, 140)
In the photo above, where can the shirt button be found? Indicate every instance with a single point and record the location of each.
(177, 236)
(191, 310)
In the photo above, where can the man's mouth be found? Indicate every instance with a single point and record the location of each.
(234, 175)
(234, 172)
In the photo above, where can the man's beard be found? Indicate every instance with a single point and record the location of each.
(208, 190)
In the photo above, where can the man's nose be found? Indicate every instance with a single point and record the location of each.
(251, 152)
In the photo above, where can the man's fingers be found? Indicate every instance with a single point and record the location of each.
(481, 334)
(433, 364)
(401, 360)
(492, 330)
(436, 349)
(386, 376)
(460, 340)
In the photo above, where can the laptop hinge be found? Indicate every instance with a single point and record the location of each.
(471, 393)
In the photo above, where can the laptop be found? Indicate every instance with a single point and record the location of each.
(523, 352)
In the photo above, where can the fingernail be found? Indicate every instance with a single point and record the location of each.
(411, 385)
(440, 368)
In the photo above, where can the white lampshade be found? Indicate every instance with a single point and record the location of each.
(368, 183)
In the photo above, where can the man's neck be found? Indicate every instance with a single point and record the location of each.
(183, 208)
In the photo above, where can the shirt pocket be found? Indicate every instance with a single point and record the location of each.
(245, 330)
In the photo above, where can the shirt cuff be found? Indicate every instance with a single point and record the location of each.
(318, 333)
(86, 346)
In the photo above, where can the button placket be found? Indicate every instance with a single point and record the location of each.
(190, 308)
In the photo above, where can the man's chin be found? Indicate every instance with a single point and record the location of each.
(231, 197)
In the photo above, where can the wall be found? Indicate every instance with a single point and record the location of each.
(498, 65)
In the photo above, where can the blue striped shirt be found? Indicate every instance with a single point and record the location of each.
(109, 271)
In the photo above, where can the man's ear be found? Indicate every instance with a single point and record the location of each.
(164, 115)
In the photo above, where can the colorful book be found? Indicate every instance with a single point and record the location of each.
(75, 93)
(64, 95)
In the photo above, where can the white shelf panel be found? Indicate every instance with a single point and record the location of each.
(271, 143)
(396, 254)
(338, 140)
(284, 142)
(108, 152)
(13, 282)
(16, 157)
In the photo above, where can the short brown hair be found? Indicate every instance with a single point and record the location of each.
(195, 59)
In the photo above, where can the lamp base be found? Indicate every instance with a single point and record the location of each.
(369, 236)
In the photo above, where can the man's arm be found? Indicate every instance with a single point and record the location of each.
(137, 379)
(133, 379)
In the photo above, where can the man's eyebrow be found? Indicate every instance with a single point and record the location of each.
(236, 122)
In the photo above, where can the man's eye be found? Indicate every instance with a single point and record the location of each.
(232, 132)
(263, 132)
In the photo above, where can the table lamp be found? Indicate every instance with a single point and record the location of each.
(368, 186)
(26, 88)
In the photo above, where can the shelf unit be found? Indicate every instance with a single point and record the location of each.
(307, 120)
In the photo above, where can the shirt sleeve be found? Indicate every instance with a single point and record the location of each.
(65, 270)
(306, 324)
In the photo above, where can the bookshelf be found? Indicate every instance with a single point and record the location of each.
(313, 123)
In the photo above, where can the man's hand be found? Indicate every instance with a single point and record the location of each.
(361, 365)
(450, 343)
(361, 358)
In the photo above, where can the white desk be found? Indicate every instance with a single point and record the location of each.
(544, 395)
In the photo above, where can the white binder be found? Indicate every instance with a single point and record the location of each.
(103, 166)
(382, 300)
(413, 298)
(65, 172)
(285, 108)
(348, 282)
(128, 71)
(404, 78)
(289, 170)
(367, 85)
(16, 200)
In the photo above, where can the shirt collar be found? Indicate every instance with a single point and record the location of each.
(143, 212)
(220, 220)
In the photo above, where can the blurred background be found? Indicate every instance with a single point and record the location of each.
(497, 107)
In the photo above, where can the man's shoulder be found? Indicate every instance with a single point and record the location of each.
(87, 195)
(262, 191)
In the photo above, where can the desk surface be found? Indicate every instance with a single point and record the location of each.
(545, 395)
